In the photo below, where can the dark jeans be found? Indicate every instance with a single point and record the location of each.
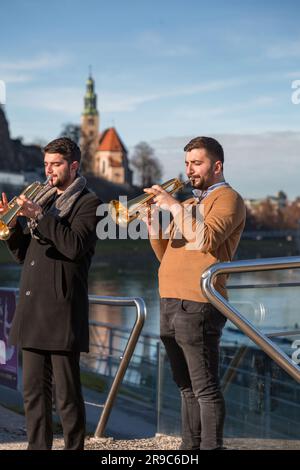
(38, 369)
(191, 333)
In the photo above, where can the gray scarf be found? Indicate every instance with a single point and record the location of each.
(61, 206)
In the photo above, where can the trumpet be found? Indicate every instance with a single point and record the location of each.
(124, 214)
(13, 207)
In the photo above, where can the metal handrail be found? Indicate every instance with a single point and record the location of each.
(222, 304)
(140, 306)
(141, 313)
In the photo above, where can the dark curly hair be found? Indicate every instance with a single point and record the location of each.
(214, 149)
(66, 147)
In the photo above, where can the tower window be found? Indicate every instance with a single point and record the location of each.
(103, 167)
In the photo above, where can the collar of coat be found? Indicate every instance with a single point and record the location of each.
(62, 206)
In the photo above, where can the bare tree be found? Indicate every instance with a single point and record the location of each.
(40, 142)
(87, 153)
(147, 165)
(72, 131)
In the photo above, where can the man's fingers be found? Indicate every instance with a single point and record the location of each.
(150, 191)
(4, 199)
(154, 190)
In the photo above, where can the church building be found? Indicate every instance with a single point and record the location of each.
(108, 154)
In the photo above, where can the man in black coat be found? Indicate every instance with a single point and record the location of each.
(51, 320)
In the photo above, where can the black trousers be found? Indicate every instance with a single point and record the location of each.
(191, 333)
(39, 367)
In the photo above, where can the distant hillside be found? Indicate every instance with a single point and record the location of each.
(14, 155)
(7, 156)
(17, 157)
(27, 157)
(106, 190)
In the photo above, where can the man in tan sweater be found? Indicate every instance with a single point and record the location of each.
(190, 326)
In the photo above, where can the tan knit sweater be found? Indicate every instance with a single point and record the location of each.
(181, 268)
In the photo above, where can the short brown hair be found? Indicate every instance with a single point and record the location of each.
(66, 147)
(214, 149)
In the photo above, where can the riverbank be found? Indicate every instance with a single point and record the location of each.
(13, 437)
(135, 253)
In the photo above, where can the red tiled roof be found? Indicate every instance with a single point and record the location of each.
(110, 141)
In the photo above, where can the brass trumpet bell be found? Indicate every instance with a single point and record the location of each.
(13, 208)
(124, 214)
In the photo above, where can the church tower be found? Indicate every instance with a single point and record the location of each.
(89, 125)
(103, 155)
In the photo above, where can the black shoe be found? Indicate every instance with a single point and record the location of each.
(184, 446)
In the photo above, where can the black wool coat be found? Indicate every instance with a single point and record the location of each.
(52, 312)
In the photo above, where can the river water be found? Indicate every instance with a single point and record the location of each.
(268, 308)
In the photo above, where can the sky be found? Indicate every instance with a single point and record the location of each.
(165, 72)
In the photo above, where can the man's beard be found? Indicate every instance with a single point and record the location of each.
(60, 181)
(202, 184)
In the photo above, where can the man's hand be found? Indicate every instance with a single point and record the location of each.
(3, 204)
(29, 208)
(150, 216)
(161, 197)
(164, 200)
(3, 209)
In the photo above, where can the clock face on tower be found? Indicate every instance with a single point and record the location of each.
(91, 121)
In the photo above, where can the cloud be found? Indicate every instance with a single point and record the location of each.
(151, 42)
(196, 113)
(256, 165)
(22, 70)
(43, 61)
(15, 77)
(115, 102)
(65, 100)
(69, 100)
(284, 50)
(295, 74)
